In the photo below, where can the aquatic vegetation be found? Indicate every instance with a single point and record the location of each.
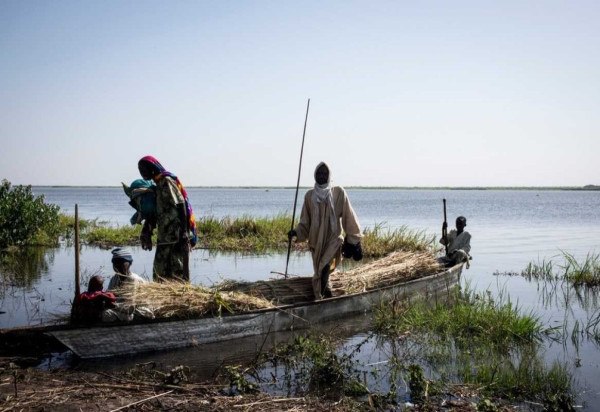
(586, 272)
(578, 273)
(26, 219)
(313, 366)
(470, 317)
(248, 234)
(541, 270)
(107, 237)
(378, 241)
(476, 341)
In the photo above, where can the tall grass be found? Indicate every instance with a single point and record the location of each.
(540, 270)
(586, 272)
(471, 316)
(249, 234)
(479, 340)
(245, 233)
(378, 241)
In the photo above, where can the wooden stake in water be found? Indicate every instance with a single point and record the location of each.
(287, 261)
(445, 230)
(77, 280)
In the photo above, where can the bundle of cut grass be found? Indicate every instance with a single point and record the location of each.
(278, 291)
(396, 267)
(182, 300)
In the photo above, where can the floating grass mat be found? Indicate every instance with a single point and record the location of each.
(182, 300)
(394, 268)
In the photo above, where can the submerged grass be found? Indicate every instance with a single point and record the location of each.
(584, 272)
(249, 234)
(479, 341)
(470, 317)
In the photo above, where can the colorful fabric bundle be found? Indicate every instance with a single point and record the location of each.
(143, 200)
(190, 212)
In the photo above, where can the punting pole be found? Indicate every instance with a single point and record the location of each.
(287, 261)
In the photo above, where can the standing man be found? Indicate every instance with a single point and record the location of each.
(458, 241)
(325, 212)
(175, 223)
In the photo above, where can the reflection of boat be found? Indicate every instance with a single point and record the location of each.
(113, 340)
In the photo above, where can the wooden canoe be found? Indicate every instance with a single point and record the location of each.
(123, 339)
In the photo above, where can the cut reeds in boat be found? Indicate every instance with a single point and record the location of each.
(182, 300)
(394, 268)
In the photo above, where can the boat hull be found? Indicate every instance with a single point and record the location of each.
(115, 340)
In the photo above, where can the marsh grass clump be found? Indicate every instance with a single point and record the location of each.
(541, 270)
(586, 272)
(172, 299)
(106, 237)
(244, 233)
(249, 234)
(475, 340)
(378, 241)
(471, 316)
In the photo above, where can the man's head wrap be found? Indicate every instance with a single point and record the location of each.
(322, 194)
(122, 254)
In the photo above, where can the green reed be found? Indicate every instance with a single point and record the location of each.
(540, 270)
(248, 234)
(479, 340)
(585, 272)
(470, 316)
(378, 241)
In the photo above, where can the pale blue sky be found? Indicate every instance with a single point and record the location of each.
(402, 93)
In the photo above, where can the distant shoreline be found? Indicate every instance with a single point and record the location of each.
(543, 188)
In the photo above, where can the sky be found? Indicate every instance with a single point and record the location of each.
(403, 93)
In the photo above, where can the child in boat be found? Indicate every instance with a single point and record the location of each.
(458, 241)
(89, 306)
(122, 261)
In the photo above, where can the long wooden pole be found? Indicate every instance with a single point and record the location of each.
(445, 231)
(287, 261)
(77, 288)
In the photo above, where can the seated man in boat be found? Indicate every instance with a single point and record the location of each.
(89, 306)
(458, 242)
(122, 260)
(325, 212)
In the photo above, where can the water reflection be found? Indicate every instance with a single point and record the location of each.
(23, 267)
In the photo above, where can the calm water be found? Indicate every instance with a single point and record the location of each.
(508, 228)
